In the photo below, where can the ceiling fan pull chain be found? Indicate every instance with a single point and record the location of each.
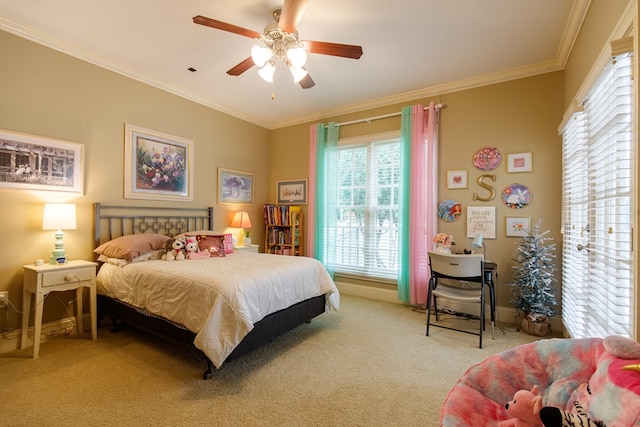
(273, 89)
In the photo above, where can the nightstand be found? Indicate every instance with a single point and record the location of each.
(248, 248)
(42, 279)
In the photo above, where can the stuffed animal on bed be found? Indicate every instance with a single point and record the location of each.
(175, 250)
(524, 409)
(193, 250)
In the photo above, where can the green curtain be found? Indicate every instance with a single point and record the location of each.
(403, 220)
(326, 194)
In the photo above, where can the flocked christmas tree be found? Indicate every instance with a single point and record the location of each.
(533, 285)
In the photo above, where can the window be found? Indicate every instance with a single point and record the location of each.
(367, 224)
(597, 209)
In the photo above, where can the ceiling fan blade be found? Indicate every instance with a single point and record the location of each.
(335, 49)
(291, 14)
(203, 20)
(241, 67)
(307, 82)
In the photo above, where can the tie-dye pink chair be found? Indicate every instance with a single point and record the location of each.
(589, 371)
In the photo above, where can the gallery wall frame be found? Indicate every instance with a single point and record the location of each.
(481, 220)
(32, 162)
(519, 162)
(291, 192)
(457, 179)
(516, 226)
(235, 187)
(157, 166)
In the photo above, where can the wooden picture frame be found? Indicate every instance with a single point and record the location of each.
(481, 220)
(157, 166)
(519, 162)
(235, 187)
(457, 179)
(291, 192)
(31, 162)
(516, 226)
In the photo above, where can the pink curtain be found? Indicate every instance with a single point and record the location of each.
(423, 197)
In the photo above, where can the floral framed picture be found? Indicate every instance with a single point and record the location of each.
(157, 166)
(457, 179)
(519, 162)
(33, 162)
(235, 187)
(516, 226)
(292, 192)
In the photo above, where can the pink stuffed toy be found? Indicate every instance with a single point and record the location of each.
(193, 250)
(524, 409)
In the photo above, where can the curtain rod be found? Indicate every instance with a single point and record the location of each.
(384, 116)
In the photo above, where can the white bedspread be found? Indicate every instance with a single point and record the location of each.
(219, 298)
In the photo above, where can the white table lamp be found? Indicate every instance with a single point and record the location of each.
(478, 243)
(59, 216)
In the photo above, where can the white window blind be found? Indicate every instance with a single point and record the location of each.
(597, 208)
(367, 225)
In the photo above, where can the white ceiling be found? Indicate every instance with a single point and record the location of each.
(412, 48)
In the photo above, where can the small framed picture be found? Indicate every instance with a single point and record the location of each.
(292, 192)
(235, 187)
(457, 179)
(481, 220)
(519, 162)
(516, 226)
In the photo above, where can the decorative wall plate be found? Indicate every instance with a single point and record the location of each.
(487, 158)
(516, 196)
(449, 210)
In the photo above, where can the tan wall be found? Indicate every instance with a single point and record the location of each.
(517, 116)
(47, 93)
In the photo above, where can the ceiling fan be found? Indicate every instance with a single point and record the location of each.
(282, 43)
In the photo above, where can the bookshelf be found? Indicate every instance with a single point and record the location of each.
(283, 230)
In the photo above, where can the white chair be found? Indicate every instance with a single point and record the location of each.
(465, 282)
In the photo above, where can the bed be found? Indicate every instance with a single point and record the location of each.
(225, 306)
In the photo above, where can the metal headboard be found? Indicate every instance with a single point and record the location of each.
(116, 221)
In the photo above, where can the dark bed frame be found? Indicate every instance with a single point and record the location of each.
(115, 221)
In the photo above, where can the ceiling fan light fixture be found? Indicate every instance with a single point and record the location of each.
(297, 55)
(267, 72)
(260, 55)
(298, 73)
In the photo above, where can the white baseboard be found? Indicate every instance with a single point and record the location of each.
(504, 315)
(10, 341)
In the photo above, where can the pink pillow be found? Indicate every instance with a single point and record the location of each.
(131, 246)
(214, 244)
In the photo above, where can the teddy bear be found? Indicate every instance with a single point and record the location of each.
(193, 250)
(524, 409)
(174, 250)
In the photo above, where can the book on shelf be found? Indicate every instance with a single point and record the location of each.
(281, 214)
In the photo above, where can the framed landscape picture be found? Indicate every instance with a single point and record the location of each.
(235, 187)
(157, 166)
(30, 162)
(292, 192)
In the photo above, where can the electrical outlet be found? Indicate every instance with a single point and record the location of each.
(4, 299)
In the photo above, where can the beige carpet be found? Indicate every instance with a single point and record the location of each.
(369, 364)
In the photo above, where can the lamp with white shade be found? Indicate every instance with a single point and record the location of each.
(59, 216)
(241, 220)
(478, 243)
